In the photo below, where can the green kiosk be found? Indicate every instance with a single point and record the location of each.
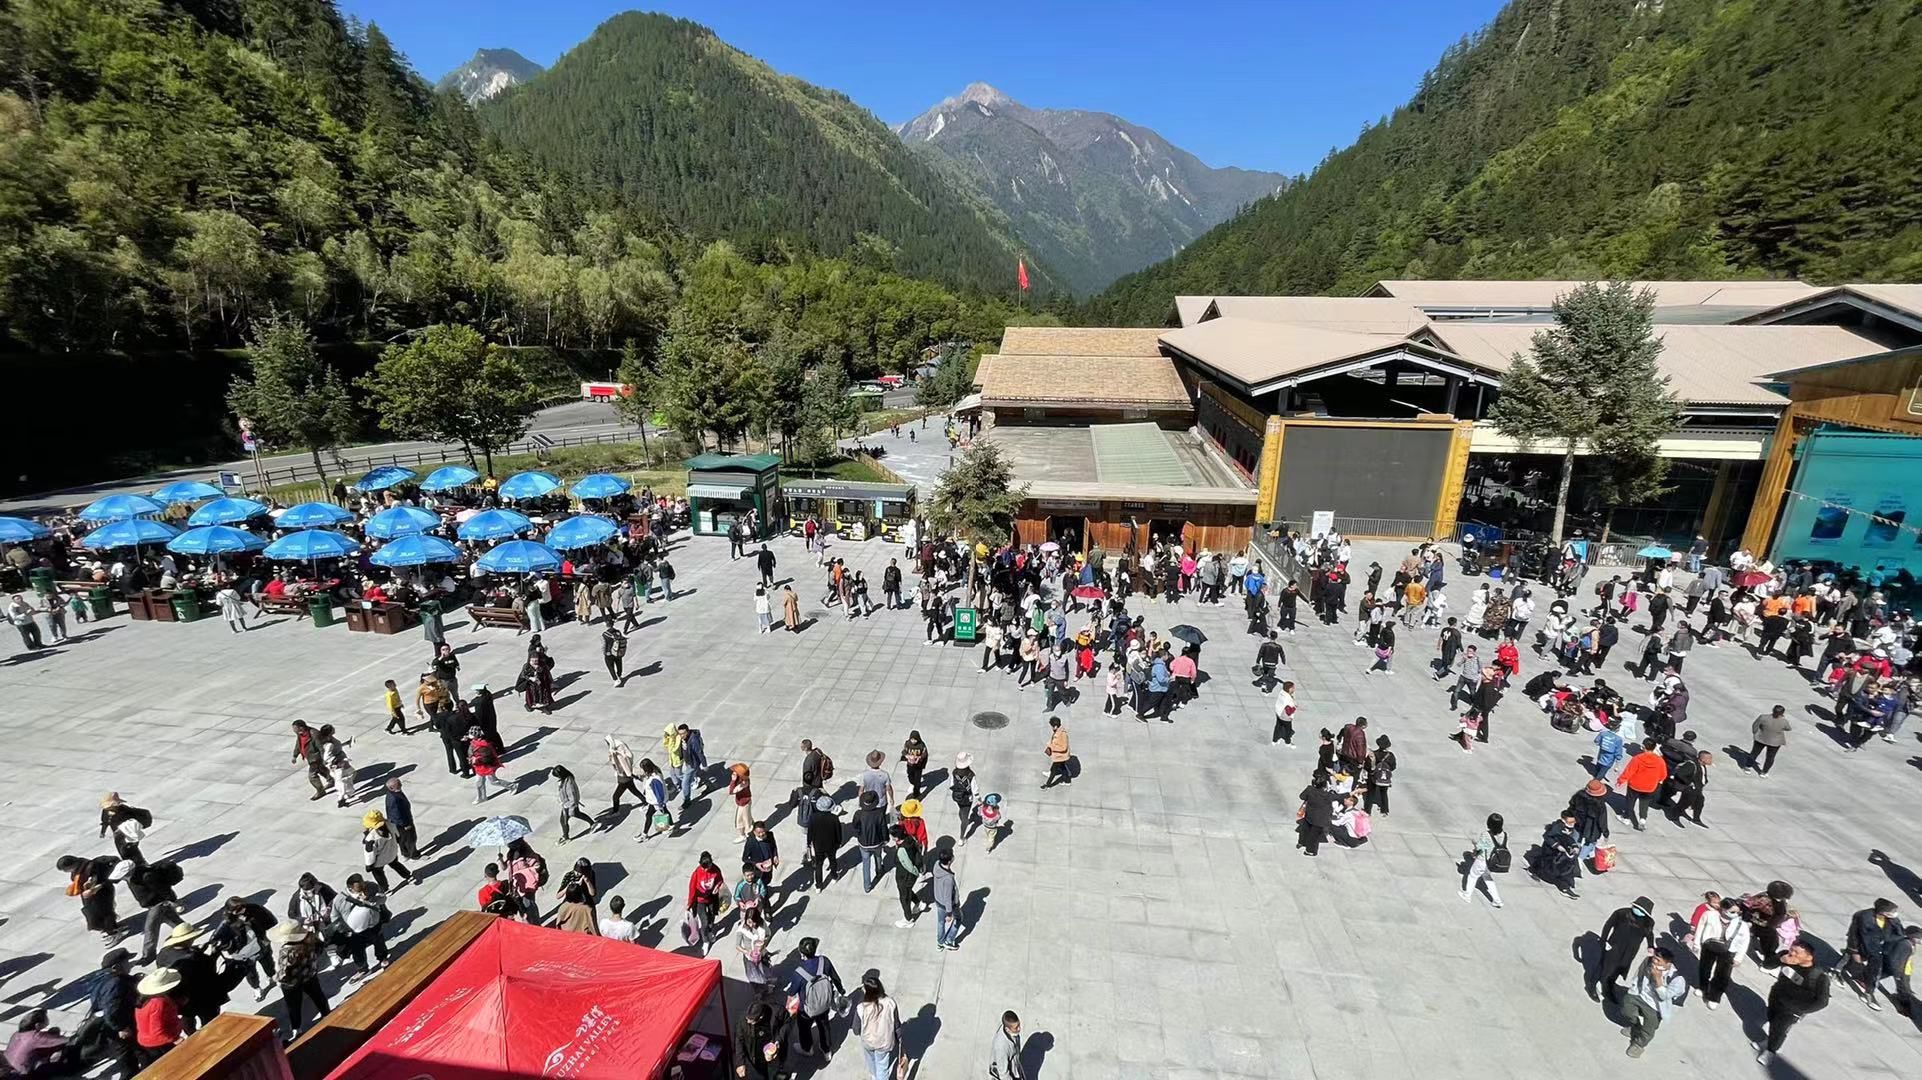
(722, 488)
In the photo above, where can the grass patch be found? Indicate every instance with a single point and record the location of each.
(845, 468)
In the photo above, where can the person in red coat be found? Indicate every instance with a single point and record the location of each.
(1642, 777)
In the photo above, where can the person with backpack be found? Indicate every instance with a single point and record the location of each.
(614, 653)
(812, 990)
(1489, 857)
(152, 887)
(1379, 770)
(526, 874)
(666, 572)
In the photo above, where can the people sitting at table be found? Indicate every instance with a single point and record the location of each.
(370, 590)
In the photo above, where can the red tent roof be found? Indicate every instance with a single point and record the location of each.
(526, 1001)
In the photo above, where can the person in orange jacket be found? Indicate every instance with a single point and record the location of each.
(1642, 777)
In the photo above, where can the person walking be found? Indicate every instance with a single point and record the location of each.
(1059, 757)
(1801, 987)
(1873, 933)
(1285, 715)
(946, 895)
(961, 789)
(914, 755)
(484, 758)
(307, 748)
(761, 1041)
(614, 653)
(824, 839)
(878, 1019)
(790, 609)
(763, 609)
(380, 849)
(1641, 778)
(814, 987)
(1657, 989)
(399, 810)
(741, 789)
(446, 669)
(126, 823)
(296, 970)
(20, 614)
(1484, 863)
(1768, 735)
(908, 856)
(1004, 1050)
(705, 888)
(621, 759)
(568, 791)
(1720, 937)
(1627, 932)
(232, 608)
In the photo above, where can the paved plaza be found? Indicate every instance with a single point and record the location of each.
(1151, 920)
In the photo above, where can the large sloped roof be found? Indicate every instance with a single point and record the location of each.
(1542, 294)
(1253, 351)
(1144, 382)
(1705, 365)
(1080, 341)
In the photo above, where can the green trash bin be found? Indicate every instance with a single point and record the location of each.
(186, 605)
(964, 623)
(100, 602)
(41, 578)
(322, 609)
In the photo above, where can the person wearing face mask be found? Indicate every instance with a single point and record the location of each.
(1625, 935)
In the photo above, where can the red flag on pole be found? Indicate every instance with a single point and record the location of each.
(1021, 273)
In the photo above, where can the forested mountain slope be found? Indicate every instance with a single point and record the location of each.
(1607, 138)
(675, 119)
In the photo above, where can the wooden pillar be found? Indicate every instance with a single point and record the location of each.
(1777, 468)
(1715, 517)
(1269, 474)
(1454, 479)
(1454, 395)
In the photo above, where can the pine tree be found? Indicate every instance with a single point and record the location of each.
(1591, 384)
(977, 499)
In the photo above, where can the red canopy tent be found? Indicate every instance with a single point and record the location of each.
(526, 1001)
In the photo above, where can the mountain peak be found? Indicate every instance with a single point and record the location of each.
(981, 93)
(488, 73)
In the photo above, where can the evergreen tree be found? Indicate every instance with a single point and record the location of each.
(976, 498)
(640, 389)
(1591, 383)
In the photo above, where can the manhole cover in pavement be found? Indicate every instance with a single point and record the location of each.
(990, 720)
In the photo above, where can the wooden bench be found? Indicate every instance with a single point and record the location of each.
(505, 617)
(282, 605)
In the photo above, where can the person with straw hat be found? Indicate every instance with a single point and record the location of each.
(157, 1018)
(296, 951)
(203, 992)
(128, 825)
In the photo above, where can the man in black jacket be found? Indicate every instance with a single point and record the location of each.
(1873, 934)
(761, 1043)
(111, 1000)
(871, 832)
(203, 991)
(1800, 988)
(152, 887)
(452, 729)
(891, 585)
(824, 841)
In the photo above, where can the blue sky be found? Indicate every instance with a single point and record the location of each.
(1269, 85)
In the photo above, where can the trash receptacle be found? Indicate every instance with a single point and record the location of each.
(964, 623)
(186, 604)
(99, 602)
(41, 579)
(322, 610)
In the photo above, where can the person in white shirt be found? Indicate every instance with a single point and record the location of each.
(616, 926)
(1285, 714)
(1719, 935)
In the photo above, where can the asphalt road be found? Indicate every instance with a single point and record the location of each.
(574, 420)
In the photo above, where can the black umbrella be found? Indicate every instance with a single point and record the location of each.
(1191, 635)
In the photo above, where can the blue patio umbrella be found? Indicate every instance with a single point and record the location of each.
(416, 549)
(225, 512)
(120, 508)
(385, 476)
(132, 533)
(1655, 551)
(584, 530)
(18, 530)
(308, 545)
(312, 515)
(401, 521)
(215, 540)
(528, 485)
(187, 491)
(598, 485)
(449, 476)
(519, 557)
(494, 525)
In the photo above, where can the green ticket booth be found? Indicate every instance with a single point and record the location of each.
(723, 488)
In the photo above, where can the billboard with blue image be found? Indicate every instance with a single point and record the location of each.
(1856, 500)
